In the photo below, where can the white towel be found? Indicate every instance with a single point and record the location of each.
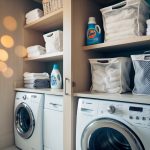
(28, 21)
(33, 12)
(36, 54)
(35, 48)
(28, 74)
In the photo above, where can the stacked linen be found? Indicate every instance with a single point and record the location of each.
(36, 80)
(33, 15)
(125, 19)
(35, 51)
(110, 75)
(148, 27)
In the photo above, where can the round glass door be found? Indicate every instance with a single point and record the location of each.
(109, 134)
(24, 121)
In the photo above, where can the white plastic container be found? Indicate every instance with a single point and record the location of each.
(53, 41)
(56, 79)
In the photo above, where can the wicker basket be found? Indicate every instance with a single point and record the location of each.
(51, 5)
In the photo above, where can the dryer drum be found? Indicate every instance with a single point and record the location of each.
(24, 121)
(109, 134)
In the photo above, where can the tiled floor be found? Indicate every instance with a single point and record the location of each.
(11, 148)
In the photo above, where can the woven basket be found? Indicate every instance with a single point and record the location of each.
(51, 5)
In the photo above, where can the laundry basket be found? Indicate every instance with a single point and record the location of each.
(125, 19)
(51, 5)
(141, 65)
(110, 75)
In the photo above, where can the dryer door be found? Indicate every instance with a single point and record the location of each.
(24, 120)
(109, 134)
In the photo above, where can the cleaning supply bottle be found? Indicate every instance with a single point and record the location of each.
(93, 32)
(56, 79)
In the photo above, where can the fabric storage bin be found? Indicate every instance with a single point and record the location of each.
(110, 75)
(51, 5)
(141, 65)
(125, 19)
(53, 41)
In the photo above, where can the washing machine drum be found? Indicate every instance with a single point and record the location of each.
(24, 120)
(109, 134)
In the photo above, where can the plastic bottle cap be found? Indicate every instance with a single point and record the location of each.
(55, 66)
(92, 20)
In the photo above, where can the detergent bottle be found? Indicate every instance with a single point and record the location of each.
(93, 32)
(56, 79)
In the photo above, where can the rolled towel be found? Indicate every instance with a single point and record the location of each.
(28, 74)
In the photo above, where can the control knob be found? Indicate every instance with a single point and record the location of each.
(111, 109)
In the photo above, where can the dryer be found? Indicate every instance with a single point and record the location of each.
(28, 114)
(112, 125)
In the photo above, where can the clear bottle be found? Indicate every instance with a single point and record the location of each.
(56, 79)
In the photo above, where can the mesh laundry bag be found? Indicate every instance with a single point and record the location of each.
(125, 19)
(141, 65)
(110, 75)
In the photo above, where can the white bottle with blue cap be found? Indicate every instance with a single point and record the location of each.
(56, 79)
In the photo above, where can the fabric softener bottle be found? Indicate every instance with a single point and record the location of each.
(56, 79)
(93, 32)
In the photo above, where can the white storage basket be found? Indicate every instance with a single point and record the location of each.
(110, 75)
(141, 65)
(53, 41)
(125, 19)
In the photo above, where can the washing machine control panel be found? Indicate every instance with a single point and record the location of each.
(134, 113)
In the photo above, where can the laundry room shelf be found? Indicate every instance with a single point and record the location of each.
(116, 97)
(47, 57)
(132, 43)
(48, 22)
(42, 91)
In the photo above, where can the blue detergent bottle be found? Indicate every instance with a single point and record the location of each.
(94, 35)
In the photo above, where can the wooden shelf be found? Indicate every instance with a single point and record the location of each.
(42, 91)
(133, 42)
(47, 57)
(48, 22)
(116, 97)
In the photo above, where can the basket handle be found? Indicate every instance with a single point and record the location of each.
(119, 5)
(147, 56)
(103, 61)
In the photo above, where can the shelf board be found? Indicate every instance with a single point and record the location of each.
(132, 42)
(48, 22)
(116, 97)
(47, 57)
(42, 91)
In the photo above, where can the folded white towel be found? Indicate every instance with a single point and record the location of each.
(31, 80)
(36, 54)
(33, 12)
(28, 21)
(35, 48)
(28, 74)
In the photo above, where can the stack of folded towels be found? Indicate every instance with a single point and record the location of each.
(35, 51)
(33, 15)
(36, 80)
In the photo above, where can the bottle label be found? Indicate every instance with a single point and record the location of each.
(91, 33)
(53, 81)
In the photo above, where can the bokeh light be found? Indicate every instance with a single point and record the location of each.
(3, 55)
(8, 72)
(7, 41)
(21, 51)
(10, 23)
(3, 66)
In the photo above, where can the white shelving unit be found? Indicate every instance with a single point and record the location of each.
(47, 57)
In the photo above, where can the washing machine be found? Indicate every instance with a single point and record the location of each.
(28, 120)
(53, 122)
(112, 125)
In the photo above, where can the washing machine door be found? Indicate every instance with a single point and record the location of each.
(109, 134)
(24, 120)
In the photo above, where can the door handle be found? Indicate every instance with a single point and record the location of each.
(66, 79)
